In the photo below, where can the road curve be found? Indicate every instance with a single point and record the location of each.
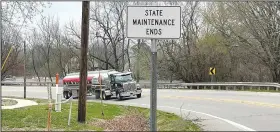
(214, 110)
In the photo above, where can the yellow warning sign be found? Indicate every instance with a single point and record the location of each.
(212, 71)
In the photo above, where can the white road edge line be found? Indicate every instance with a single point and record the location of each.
(242, 127)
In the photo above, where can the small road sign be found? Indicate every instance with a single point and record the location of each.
(212, 71)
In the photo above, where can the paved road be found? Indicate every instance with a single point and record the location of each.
(216, 110)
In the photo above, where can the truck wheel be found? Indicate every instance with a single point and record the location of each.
(97, 95)
(138, 95)
(119, 97)
(64, 94)
(104, 97)
(67, 94)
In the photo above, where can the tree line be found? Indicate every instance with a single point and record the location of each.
(240, 39)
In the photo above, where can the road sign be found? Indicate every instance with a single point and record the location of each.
(154, 22)
(212, 71)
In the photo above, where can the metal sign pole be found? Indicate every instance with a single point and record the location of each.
(153, 90)
(24, 71)
(1, 40)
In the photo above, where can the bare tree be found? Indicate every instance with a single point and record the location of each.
(178, 56)
(254, 25)
(12, 41)
(15, 16)
(111, 22)
(45, 26)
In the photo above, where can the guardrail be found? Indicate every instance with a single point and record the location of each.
(201, 85)
(28, 83)
(218, 85)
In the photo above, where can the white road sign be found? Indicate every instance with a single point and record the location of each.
(153, 22)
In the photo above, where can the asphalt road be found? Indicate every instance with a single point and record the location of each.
(213, 110)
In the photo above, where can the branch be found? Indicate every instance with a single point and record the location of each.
(93, 56)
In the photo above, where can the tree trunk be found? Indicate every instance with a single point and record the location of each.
(106, 54)
(34, 67)
(276, 74)
(49, 70)
(116, 57)
(127, 53)
(137, 61)
(123, 37)
(171, 77)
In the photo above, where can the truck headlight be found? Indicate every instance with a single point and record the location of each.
(138, 86)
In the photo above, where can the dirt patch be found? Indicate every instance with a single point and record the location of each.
(8, 102)
(131, 121)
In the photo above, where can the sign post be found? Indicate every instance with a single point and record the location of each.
(24, 71)
(153, 91)
(58, 95)
(153, 22)
(212, 72)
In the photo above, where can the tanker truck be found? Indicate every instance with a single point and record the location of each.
(117, 84)
(104, 84)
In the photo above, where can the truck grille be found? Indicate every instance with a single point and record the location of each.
(129, 86)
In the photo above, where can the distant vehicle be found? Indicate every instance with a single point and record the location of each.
(10, 78)
(113, 83)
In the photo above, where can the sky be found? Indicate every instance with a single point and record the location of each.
(66, 11)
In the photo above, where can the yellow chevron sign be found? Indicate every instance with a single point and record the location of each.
(212, 71)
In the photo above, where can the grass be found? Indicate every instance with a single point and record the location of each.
(35, 118)
(8, 102)
(168, 121)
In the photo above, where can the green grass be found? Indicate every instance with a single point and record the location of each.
(35, 117)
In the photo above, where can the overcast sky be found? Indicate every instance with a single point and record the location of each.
(65, 11)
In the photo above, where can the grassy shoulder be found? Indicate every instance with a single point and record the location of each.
(121, 118)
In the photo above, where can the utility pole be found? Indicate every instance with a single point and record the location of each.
(83, 62)
(24, 69)
(97, 30)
